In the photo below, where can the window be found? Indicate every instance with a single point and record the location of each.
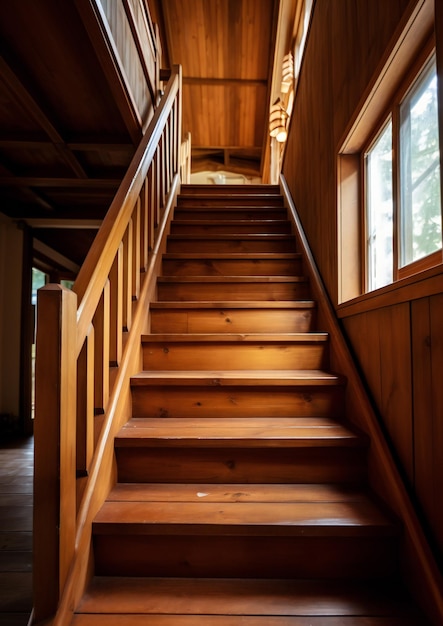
(420, 217)
(402, 186)
(379, 210)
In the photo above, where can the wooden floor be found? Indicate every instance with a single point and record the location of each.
(16, 485)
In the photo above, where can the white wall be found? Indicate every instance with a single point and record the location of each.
(11, 259)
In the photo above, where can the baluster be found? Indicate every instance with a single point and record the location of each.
(144, 227)
(136, 218)
(127, 276)
(176, 143)
(101, 352)
(161, 163)
(85, 405)
(167, 158)
(116, 309)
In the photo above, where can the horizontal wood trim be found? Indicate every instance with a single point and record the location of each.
(427, 283)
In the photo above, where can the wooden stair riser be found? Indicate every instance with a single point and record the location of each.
(223, 227)
(228, 320)
(339, 464)
(251, 401)
(242, 200)
(252, 355)
(257, 243)
(221, 190)
(207, 266)
(176, 290)
(231, 213)
(245, 556)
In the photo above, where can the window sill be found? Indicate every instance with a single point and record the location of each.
(420, 285)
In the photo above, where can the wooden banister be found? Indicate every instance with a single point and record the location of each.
(88, 346)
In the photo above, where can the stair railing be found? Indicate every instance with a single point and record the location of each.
(88, 346)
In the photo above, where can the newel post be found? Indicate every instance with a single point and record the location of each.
(54, 446)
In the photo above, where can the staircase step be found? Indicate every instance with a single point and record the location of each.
(243, 393)
(227, 317)
(234, 539)
(291, 518)
(216, 288)
(263, 602)
(234, 199)
(219, 620)
(226, 226)
(237, 432)
(236, 378)
(227, 190)
(231, 243)
(155, 492)
(234, 264)
(236, 450)
(189, 351)
(230, 212)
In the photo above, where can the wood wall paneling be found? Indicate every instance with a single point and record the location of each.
(129, 57)
(396, 392)
(347, 41)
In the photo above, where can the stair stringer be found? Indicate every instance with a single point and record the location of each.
(418, 566)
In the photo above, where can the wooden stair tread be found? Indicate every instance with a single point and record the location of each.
(234, 304)
(237, 492)
(220, 620)
(234, 432)
(196, 188)
(232, 279)
(235, 597)
(306, 519)
(273, 378)
(231, 255)
(233, 237)
(237, 337)
(229, 221)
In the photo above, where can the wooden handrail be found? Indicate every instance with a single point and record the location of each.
(88, 347)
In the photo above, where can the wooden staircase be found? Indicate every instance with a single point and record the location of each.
(241, 497)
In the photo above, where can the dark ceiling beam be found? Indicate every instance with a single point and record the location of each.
(33, 108)
(69, 183)
(79, 146)
(71, 224)
(32, 195)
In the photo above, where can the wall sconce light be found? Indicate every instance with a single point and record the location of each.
(277, 121)
(287, 75)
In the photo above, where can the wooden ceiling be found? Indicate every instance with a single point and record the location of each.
(226, 50)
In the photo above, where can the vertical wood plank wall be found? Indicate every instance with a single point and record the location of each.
(142, 85)
(398, 343)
